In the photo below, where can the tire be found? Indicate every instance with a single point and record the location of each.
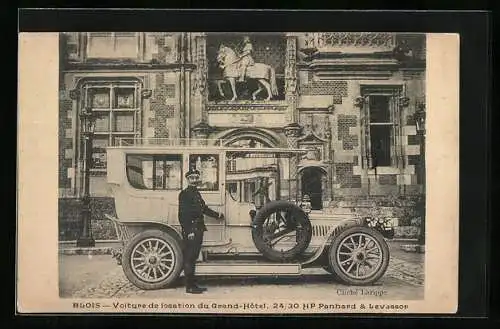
(348, 254)
(159, 274)
(298, 218)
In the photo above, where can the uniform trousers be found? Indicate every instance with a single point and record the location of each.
(191, 252)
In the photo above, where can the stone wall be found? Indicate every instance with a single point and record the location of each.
(325, 95)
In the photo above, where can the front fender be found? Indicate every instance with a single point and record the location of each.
(344, 225)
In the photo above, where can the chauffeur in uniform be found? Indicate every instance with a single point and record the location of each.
(192, 207)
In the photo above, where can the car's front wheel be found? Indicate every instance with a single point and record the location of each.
(359, 256)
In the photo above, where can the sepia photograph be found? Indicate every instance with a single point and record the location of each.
(276, 162)
(242, 172)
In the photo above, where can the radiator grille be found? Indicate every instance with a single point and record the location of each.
(319, 230)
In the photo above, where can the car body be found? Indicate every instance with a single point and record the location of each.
(244, 184)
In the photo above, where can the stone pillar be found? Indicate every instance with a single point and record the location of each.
(328, 154)
(291, 77)
(293, 130)
(200, 87)
(292, 133)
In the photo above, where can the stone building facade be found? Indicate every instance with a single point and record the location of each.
(350, 98)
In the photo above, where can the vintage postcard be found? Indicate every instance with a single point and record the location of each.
(238, 172)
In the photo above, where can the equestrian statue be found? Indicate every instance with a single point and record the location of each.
(243, 66)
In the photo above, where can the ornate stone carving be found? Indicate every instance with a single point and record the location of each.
(420, 103)
(202, 130)
(72, 47)
(328, 128)
(315, 146)
(292, 130)
(350, 39)
(146, 93)
(313, 153)
(419, 116)
(404, 101)
(247, 107)
(74, 93)
(402, 51)
(239, 65)
(290, 69)
(359, 101)
(201, 60)
(291, 77)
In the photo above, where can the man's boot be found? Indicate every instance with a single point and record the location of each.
(192, 288)
(198, 287)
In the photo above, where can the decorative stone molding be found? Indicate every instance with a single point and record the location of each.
(420, 103)
(404, 101)
(349, 55)
(290, 68)
(146, 93)
(201, 61)
(291, 76)
(74, 93)
(380, 40)
(420, 116)
(202, 130)
(292, 130)
(247, 107)
(359, 101)
(328, 128)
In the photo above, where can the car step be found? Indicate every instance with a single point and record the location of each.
(246, 268)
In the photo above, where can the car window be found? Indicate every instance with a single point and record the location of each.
(208, 166)
(155, 172)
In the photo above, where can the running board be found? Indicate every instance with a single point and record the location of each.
(246, 269)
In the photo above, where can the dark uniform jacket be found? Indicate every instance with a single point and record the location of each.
(192, 207)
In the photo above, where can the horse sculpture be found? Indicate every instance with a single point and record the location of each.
(264, 74)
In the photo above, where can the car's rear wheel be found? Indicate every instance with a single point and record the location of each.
(281, 231)
(152, 260)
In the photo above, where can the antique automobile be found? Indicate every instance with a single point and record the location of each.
(268, 229)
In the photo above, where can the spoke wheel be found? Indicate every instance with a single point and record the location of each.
(359, 256)
(281, 231)
(152, 259)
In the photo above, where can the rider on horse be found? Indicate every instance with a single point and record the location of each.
(245, 59)
(236, 66)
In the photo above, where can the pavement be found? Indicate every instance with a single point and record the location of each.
(84, 274)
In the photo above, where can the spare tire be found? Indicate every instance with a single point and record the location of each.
(273, 223)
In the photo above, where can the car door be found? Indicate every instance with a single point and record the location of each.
(211, 188)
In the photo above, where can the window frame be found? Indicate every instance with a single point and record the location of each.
(393, 92)
(112, 112)
(138, 54)
(154, 159)
(218, 156)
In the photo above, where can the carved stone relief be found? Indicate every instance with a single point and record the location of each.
(245, 67)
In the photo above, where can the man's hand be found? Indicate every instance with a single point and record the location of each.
(221, 216)
(191, 236)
